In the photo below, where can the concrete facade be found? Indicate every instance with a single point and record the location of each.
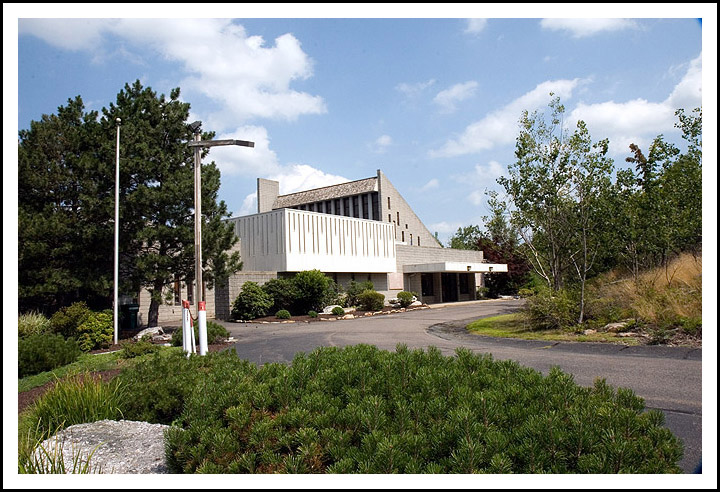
(355, 231)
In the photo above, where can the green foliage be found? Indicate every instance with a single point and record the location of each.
(44, 352)
(252, 302)
(96, 331)
(338, 311)
(313, 314)
(77, 400)
(526, 292)
(370, 300)
(66, 320)
(362, 410)
(465, 238)
(315, 291)
(353, 291)
(216, 333)
(283, 314)
(284, 293)
(552, 310)
(33, 323)
(406, 298)
(131, 349)
(482, 292)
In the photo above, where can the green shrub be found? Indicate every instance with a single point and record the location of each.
(313, 314)
(482, 292)
(66, 320)
(371, 300)
(44, 352)
(33, 323)
(315, 291)
(353, 291)
(283, 314)
(359, 409)
(548, 310)
(284, 293)
(526, 292)
(132, 349)
(97, 331)
(216, 333)
(338, 311)
(406, 298)
(252, 302)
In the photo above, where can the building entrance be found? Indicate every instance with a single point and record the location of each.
(449, 287)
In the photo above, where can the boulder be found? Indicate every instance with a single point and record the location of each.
(157, 330)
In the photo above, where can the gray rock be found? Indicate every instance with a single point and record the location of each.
(114, 446)
(152, 331)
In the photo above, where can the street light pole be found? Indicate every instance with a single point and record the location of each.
(198, 145)
(117, 232)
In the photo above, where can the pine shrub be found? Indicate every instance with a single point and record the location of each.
(338, 311)
(96, 332)
(44, 352)
(283, 314)
(359, 409)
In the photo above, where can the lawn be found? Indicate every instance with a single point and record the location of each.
(514, 326)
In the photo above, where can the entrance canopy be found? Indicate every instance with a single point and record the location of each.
(454, 266)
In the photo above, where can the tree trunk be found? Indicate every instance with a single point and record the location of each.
(155, 300)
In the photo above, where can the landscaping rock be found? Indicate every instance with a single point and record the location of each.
(157, 330)
(122, 446)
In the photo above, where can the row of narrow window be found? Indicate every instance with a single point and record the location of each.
(358, 204)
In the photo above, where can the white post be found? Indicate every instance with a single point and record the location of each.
(198, 242)
(202, 328)
(186, 325)
(117, 233)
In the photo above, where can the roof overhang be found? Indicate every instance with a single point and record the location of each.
(454, 266)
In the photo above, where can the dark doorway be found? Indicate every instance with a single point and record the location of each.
(449, 287)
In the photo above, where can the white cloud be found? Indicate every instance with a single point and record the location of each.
(233, 160)
(430, 185)
(475, 26)
(500, 127)
(445, 227)
(293, 178)
(244, 76)
(580, 28)
(639, 121)
(381, 145)
(414, 90)
(448, 98)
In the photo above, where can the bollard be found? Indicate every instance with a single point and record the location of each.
(187, 329)
(202, 328)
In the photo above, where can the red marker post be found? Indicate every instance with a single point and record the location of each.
(202, 327)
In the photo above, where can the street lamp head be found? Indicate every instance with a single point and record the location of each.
(118, 120)
(195, 126)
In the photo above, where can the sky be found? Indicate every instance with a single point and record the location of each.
(433, 101)
(431, 95)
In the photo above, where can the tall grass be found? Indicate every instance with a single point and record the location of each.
(33, 323)
(46, 457)
(77, 400)
(662, 297)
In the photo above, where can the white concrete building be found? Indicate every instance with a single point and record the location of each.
(361, 230)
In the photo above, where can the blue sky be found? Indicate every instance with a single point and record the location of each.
(433, 100)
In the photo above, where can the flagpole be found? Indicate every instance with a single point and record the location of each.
(117, 232)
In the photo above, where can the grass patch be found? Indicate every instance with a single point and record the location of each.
(515, 326)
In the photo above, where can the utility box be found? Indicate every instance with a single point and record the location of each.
(128, 317)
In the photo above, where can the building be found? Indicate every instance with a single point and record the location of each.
(360, 230)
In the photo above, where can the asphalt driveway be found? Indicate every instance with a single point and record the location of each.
(668, 378)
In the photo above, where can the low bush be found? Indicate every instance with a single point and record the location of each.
(132, 349)
(216, 333)
(315, 290)
(338, 311)
(370, 300)
(313, 314)
(33, 323)
(283, 314)
(252, 302)
(552, 310)
(284, 294)
(406, 298)
(359, 409)
(44, 352)
(66, 320)
(353, 291)
(526, 292)
(96, 332)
